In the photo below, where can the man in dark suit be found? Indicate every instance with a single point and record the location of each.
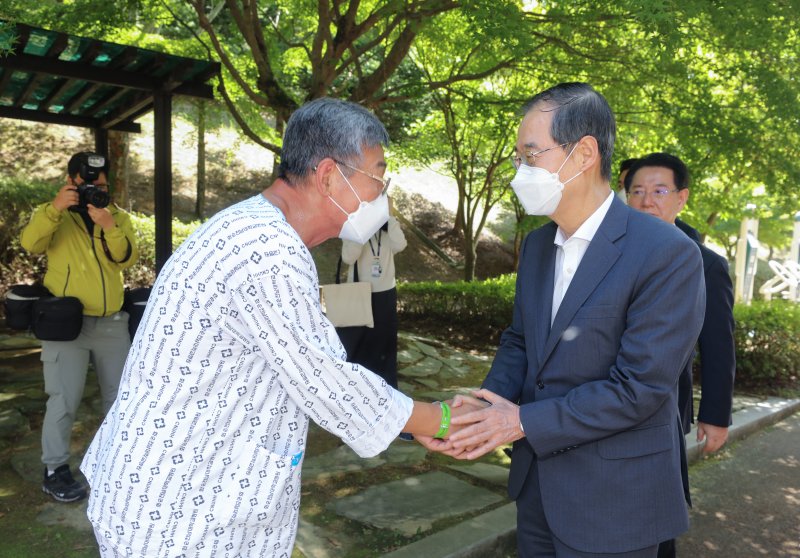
(658, 184)
(608, 306)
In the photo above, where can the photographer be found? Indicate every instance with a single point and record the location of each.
(88, 243)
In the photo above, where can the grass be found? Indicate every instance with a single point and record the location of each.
(22, 535)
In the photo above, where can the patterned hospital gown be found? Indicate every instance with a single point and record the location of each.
(201, 453)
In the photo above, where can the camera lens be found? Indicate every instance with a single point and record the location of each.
(96, 197)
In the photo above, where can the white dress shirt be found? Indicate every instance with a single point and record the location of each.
(201, 453)
(570, 252)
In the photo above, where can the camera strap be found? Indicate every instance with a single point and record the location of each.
(128, 252)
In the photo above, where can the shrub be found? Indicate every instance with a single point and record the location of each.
(767, 345)
(489, 302)
(143, 273)
(20, 195)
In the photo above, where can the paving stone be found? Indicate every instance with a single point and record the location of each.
(428, 382)
(344, 460)
(404, 453)
(13, 423)
(19, 342)
(339, 460)
(448, 372)
(66, 515)
(494, 474)
(423, 369)
(407, 356)
(315, 542)
(413, 504)
(491, 534)
(427, 349)
(405, 387)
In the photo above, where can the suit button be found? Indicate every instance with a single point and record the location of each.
(540, 384)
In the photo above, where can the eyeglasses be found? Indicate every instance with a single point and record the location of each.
(658, 193)
(530, 156)
(384, 181)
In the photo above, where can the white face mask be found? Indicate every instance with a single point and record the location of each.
(538, 189)
(364, 221)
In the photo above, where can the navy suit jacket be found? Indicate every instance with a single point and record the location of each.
(598, 389)
(717, 349)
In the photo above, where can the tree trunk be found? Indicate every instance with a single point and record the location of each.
(200, 202)
(119, 160)
(470, 255)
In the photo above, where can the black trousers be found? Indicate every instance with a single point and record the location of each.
(375, 347)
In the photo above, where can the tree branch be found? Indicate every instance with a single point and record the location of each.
(205, 24)
(248, 131)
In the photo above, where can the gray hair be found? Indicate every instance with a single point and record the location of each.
(328, 128)
(580, 111)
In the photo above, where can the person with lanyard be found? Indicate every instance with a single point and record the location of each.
(375, 347)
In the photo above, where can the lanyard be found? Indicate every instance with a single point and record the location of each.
(372, 249)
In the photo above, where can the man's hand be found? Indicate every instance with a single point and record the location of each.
(715, 436)
(485, 429)
(101, 216)
(459, 406)
(66, 197)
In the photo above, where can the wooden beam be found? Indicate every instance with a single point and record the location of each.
(55, 93)
(33, 83)
(78, 70)
(65, 119)
(58, 46)
(75, 103)
(110, 98)
(162, 179)
(136, 106)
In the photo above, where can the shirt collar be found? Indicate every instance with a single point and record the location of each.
(589, 227)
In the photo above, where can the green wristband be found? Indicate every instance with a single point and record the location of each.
(444, 427)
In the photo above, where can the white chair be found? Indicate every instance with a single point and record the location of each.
(784, 283)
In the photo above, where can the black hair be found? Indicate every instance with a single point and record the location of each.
(626, 164)
(578, 111)
(82, 159)
(680, 173)
(328, 127)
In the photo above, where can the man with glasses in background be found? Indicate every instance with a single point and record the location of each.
(607, 309)
(658, 184)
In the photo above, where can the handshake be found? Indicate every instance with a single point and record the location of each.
(478, 424)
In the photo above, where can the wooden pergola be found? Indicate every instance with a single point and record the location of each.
(57, 78)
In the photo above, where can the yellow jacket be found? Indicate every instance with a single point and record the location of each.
(85, 266)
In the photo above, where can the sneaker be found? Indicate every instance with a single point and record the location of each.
(406, 436)
(62, 486)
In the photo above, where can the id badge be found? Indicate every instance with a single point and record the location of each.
(376, 268)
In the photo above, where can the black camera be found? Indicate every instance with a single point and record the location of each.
(88, 194)
(89, 166)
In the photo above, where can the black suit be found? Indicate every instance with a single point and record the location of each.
(717, 351)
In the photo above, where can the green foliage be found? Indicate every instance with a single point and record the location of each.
(143, 272)
(490, 301)
(767, 345)
(20, 195)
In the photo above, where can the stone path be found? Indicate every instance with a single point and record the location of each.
(421, 505)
